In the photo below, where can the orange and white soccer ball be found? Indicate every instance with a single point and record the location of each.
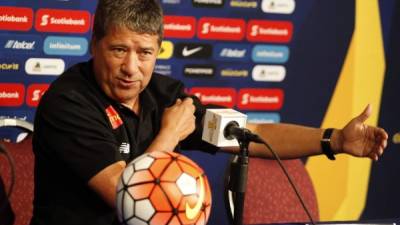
(163, 188)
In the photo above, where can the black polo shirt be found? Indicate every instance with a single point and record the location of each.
(79, 131)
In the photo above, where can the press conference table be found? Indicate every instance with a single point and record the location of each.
(365, 222)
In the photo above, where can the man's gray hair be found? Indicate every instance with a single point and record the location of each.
(141, 16)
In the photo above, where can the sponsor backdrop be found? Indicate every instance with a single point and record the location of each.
(309, 62)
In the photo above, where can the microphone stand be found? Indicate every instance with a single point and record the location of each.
(238, 179)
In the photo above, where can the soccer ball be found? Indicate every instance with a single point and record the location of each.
(163, 188)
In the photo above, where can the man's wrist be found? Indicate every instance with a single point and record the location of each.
(337, 141)
(165, 141)
(332, 142)
(326, 143)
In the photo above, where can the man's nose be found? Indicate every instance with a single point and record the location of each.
(131, 64)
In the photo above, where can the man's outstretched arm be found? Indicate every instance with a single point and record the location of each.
(293, 141)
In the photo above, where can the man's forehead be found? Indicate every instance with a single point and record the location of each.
(122, 31)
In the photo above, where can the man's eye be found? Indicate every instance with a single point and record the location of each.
(119, 50)
(147, 52)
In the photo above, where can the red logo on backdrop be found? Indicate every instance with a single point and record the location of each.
(15, 18)
(34, 93)
(63, 21)
(260, 99)
(218, 96)
(11, 94)
(179, 26)
(221, 29)
(114, 117)
(269, 31)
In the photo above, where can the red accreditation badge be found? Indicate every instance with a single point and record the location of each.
(114, 118)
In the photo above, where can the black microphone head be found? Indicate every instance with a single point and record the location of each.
(232, 130)
(229, 130)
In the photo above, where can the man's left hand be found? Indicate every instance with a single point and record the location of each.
(361, 140)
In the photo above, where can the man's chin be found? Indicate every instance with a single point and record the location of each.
(127, 96)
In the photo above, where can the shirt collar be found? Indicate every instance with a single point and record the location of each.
(147, 100)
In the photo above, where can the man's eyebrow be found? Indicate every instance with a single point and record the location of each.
(118, 45)
(148, 48)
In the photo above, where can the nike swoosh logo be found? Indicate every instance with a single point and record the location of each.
(188, 52)
(191, 213)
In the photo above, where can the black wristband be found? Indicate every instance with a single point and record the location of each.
(326, 144)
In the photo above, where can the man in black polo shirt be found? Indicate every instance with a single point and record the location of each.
(101, 114)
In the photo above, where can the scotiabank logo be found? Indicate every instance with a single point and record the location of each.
(179, 26)
(15, 18)
(218, 96)
(260, 99)
(221, 29)
(63, 21)
(269, 31)
(11, 94)
(35, 93)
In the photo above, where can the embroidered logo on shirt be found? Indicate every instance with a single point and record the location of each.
(124, 148)
(114, 118)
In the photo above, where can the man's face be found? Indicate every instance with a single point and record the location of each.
(123, 63)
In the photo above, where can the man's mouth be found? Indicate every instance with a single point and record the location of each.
(127, 82)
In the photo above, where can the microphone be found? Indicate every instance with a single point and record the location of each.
(223, 126)
(215, 122)
(232, 130)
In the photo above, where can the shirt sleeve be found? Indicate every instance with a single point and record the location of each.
(167, 90)
(194, 141)
(75, 133)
